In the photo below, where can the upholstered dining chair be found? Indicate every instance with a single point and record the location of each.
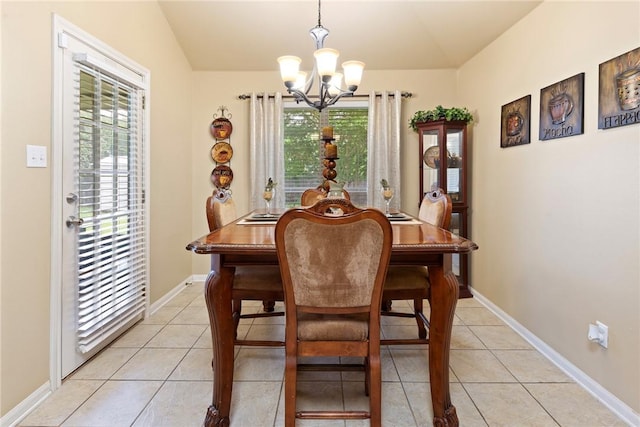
(249, 283)
(333, 260)
(412, 282)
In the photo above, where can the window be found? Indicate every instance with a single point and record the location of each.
(304, 151)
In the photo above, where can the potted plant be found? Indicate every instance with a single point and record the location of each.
(440, 113)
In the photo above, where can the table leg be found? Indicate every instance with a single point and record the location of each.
(218, 298)
(443, 299)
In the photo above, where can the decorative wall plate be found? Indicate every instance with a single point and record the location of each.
(221, 152)
(221, 128)
(222, 176)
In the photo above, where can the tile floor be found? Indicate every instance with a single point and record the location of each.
(158, 374)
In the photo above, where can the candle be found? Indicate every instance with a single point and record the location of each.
(327, 132)
(331, 151)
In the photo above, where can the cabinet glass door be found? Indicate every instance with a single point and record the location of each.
(456, 228)
(454, 164)
(431, 161)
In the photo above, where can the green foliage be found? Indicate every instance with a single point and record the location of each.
(351, 125)
(302, 144)
(440, 113)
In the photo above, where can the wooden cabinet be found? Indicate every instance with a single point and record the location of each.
(444, 163)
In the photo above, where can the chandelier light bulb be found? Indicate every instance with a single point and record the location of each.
(352, 73)
(301, 81)
(289, 68)
(335, 84)
(326, 60)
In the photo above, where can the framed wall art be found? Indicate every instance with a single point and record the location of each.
(515, 126)
(619, 91)
(562, 108)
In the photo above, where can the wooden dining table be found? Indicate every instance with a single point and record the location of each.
(247, 242)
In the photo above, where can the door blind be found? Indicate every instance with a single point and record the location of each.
(111, 263)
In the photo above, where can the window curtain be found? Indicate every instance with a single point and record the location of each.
(267, 148)
(383, 150)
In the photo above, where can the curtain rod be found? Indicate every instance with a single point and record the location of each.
(402, 94)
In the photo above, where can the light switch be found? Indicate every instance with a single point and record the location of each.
(36, 156)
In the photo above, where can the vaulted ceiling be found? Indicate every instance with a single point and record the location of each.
(239, 35)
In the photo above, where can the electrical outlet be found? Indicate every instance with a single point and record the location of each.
(599, 333)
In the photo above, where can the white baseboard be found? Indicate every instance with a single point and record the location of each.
(20, 411)
(621, 409)
(199, 277)
(171, 294)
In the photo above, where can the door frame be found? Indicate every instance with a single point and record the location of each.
(61, 26)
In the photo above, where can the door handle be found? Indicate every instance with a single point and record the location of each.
(73, 221)
(71, 197)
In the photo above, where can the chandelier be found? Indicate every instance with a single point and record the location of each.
(324, 70)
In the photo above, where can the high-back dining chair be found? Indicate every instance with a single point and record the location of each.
(333, 260)
(412, 282)
(249, 283)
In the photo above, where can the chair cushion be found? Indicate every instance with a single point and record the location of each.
(263, 278)
(324, 327)
(410, 277)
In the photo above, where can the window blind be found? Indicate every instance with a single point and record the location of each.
(108, 168)
(304, 151)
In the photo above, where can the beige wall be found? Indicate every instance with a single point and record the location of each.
(552, 268)
(429, 87)
(557, 222)
(139, 31)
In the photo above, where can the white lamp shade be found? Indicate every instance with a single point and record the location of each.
(289, 67)
(335, 83)
(352, 72)
(301, 81)
(326, 60)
